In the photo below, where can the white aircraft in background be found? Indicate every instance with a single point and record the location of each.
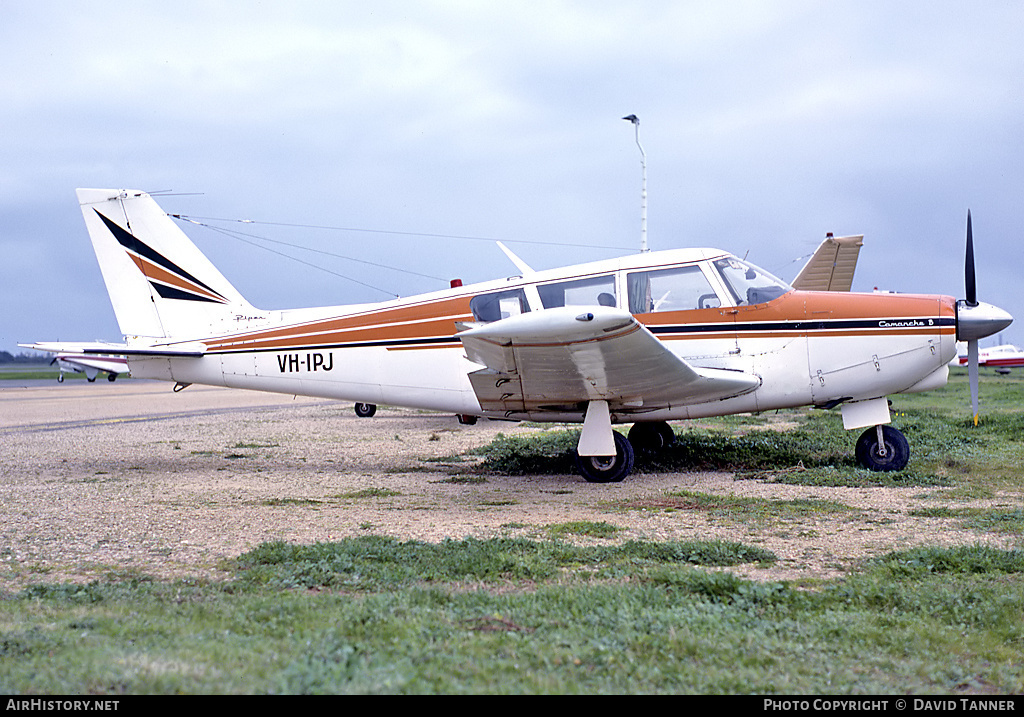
(1002, 358)
(92, 365)
(643, 339)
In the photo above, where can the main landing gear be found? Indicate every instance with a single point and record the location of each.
(882, 448)
(608, 469)
(644, 438)
(365, 410)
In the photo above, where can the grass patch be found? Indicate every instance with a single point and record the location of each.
(374, 563)
(1000, 521)
(373, 615)
(464, 480)
(737, 508)
(973, 559)
(985, 520)
(284, 502)
(370, 493)
(587, 528)
(549, 452)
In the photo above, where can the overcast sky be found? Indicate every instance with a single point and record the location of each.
(765, 124)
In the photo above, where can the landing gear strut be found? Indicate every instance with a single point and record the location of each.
(882, 448)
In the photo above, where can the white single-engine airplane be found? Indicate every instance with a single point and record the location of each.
(1002, 358)
(643, 339)
(92, 365)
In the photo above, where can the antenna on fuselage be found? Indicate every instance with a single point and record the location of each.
(643, 186)
(520, 264)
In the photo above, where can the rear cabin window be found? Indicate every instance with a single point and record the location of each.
(679, 289)
(594, 291)
(499, 305)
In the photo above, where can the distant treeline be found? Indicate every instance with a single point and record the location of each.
(8, 357)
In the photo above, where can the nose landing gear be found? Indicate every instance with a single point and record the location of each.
(882, 448)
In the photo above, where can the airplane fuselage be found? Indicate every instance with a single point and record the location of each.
(807, 348)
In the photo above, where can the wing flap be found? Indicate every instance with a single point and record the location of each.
(561, 358)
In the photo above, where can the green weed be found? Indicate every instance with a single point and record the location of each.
(370, 493)
(509, 616)
(584, 527)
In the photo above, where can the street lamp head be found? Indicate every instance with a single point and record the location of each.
(632, 118)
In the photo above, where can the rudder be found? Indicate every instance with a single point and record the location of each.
(160, 284)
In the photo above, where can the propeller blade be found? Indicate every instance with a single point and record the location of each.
(972, 375)
(969, 279)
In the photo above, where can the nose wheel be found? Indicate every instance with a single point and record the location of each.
(882, 448)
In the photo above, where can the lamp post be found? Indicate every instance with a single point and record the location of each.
(643, 187)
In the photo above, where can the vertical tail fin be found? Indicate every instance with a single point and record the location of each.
(160, 284)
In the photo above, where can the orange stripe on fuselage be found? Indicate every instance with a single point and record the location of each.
(848, 305)
(824, 306)
(436, 320)
(428, 320)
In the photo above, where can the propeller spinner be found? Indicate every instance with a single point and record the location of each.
(975, 320)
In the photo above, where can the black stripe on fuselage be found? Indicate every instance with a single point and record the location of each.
(393, 343)
(779, 327)
(808, 327)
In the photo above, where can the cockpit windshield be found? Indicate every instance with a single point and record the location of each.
(749, 284)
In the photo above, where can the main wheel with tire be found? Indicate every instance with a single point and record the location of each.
(608, 469)
(365, 410)
(652, 437)
(892, 454)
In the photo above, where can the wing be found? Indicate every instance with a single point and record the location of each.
(560, 359)
(832, 266)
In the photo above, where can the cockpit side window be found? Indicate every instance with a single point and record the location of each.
(749, 284)
(499, 305)
(592, 291)
(678, 289)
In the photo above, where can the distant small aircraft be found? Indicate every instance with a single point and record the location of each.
(92, 365)
(1001, 358)
(643, 339)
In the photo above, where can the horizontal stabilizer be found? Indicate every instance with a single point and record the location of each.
(99, 348)
(832, 265)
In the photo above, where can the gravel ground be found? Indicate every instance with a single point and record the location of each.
(129, 476)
